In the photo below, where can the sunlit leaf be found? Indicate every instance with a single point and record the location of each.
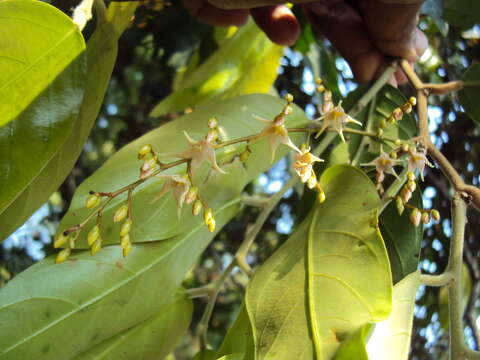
(391, 338)
(90, 299)
(469, 96)
(42, 64)
(159, 220)
(246, 63)
(354, 346)
(43, 178)
(306, 299)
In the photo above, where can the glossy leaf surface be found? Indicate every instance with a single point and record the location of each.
(305, 300)
(159, 220)
(101, 54)
(41, 56)
(102, 295)
(244, 64)
(152, 339)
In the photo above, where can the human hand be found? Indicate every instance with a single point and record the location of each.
(364, 31)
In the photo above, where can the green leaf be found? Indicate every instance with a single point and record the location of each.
(43, 112)
(402, 239)
(41, 183)
(462, 13)
(391, 338)
(237, 356)
(354, 347)
(151, 339)
(90, 299)
(207, 354)
(42, 63)
(306, 300)
(469, 95)
(239, 338)
(244, 64)
(159, 220)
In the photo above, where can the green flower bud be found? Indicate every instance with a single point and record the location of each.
(197, 207)
(207, 215)
(62, 256)
(61, 239)
(435, 215)
(399, 205)
(412, 185)
(121, 213)
(411, 176)
(321, 196)
(124, 241)
(144, 152)
(191, 195)
(92, 201)
(425, 217)
(413, 101)
(288, 98)
(382, 124)
(93, 235)
(244, 156)
(211, 225)
(126, 227)
(96, 246)
(407, 108)
(126, 250)
(415, 217)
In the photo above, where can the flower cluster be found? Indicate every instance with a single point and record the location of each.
(397, 113)
(303, 166)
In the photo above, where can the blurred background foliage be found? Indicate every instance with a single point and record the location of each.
(158, 50)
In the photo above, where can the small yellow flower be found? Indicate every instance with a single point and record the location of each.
(334, 117)
(179, 186)
(199, 152)
(418, 160)
(303, 164)
(384, 165)
(276, 133)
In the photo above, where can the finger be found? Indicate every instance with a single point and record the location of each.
(278, 22)
(392, 27)
(249, 4)
(420, 42)
(344, 27)
(212, 15)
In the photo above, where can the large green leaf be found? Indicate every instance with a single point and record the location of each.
(469, 96)
(159, 220)
(239, 338)
(68, 308)
(306, 299)
(152, 339)
(42, 63)
(402, 238)
(41, 183)
(42, 82)
(246, 63)
(391, 338)
(463, 13)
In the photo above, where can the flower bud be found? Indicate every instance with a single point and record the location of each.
(399, 205)
(62, 256)
(321, 196)
(425, 217)
(412, 185)
(393, 155)
(382, 124)
(211, 225)
(191, 195)
(320, 88)
(126, 227)
(124, 241)
(407, 108)
(379, 132)
(126, 250)
(144, 152)
(405, 194)
(96, 246)
(212, 123)
(391, 120)
(196, 207)
(121, 213)
(397, 114)
(415, 217)
(279, 120)
(287, 110)
(405, 147)
(411, 176)
(318, 80)
(93, 235)
(288, 98)
(379, 176)
(207, 215)
(61, 239)
(413, 101)
(92, 201)
(244, 156)
(435, 215)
